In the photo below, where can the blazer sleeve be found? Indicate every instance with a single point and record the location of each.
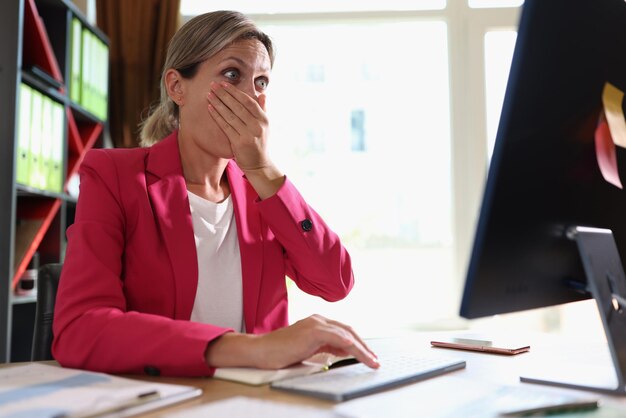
(315, 258)
(92, 327)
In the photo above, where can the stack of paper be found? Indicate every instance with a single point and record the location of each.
(37, 390)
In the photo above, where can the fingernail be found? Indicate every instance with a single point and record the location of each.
(225, 84)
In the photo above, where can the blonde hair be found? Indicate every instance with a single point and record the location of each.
(195, 42)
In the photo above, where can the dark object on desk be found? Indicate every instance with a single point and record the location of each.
(344, 362)
(484, 346)
(48, 282)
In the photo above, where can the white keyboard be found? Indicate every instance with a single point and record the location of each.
(358, 380)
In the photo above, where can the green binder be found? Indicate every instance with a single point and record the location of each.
(75, 57)
(56, 177)
(34, 147)
(47, 139)
(103, 59)
(23, 140)
(105, 80)
(86, 64)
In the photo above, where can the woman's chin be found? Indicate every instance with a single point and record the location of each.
(226, 154)
(220, 148)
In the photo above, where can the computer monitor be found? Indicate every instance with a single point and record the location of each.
(546, 176)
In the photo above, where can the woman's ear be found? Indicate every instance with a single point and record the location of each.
(174, 87)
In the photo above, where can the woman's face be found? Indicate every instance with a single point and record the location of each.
(244, 64)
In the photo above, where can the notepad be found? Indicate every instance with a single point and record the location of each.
(251, 376)
(38, 390)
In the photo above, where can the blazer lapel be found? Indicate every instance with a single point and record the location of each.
(250, 242)
(168, 195)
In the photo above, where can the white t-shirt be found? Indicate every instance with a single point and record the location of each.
(219, 298)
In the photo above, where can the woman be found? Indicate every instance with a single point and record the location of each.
(177, 258)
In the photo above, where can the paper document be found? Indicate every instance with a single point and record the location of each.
(37, 390)
(612, 99)
(244, 407)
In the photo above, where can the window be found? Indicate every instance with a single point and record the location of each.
(269, 7)
(379, 114)
(494, 3)
(362, 128)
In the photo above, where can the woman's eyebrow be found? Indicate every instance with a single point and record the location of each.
(244, 63)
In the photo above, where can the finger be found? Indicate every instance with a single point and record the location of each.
(250, 104)
(338, 352)
(262, 99)
(341, 339)
(230, 132)
(227, 99)
(226, 113)
(353, 333)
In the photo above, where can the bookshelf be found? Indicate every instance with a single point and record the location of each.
(48, 50)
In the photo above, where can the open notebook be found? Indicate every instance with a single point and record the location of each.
(37, 390)
(251, 376)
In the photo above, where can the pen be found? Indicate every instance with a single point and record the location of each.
(140, 399)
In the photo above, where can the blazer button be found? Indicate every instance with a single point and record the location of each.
(306, 225)
(152, 371)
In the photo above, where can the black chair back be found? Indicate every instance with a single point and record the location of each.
(47, 284)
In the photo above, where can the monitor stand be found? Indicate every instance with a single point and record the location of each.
(607, 283)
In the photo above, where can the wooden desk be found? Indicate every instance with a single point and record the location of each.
(426, 398)
(430, 398)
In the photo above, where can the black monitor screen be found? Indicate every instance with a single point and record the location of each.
(545, 174)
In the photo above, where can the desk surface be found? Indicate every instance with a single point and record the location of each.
(484, 373)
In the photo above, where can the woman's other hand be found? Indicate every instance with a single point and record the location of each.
(245, 123)
(289, 345)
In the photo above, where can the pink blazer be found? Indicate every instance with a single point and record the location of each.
(130, 273)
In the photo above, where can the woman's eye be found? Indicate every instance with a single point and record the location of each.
(262, 83)
(231, 74)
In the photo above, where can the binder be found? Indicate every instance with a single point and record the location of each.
(94, 74)
(93, 50)
(98, 70)
(56, 177)
(85, 85)
(23, 141)
(103, 73)
(76, 64)
(34, 147)
(46, 143)
(105, 81)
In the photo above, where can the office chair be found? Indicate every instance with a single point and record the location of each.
(47, 284)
